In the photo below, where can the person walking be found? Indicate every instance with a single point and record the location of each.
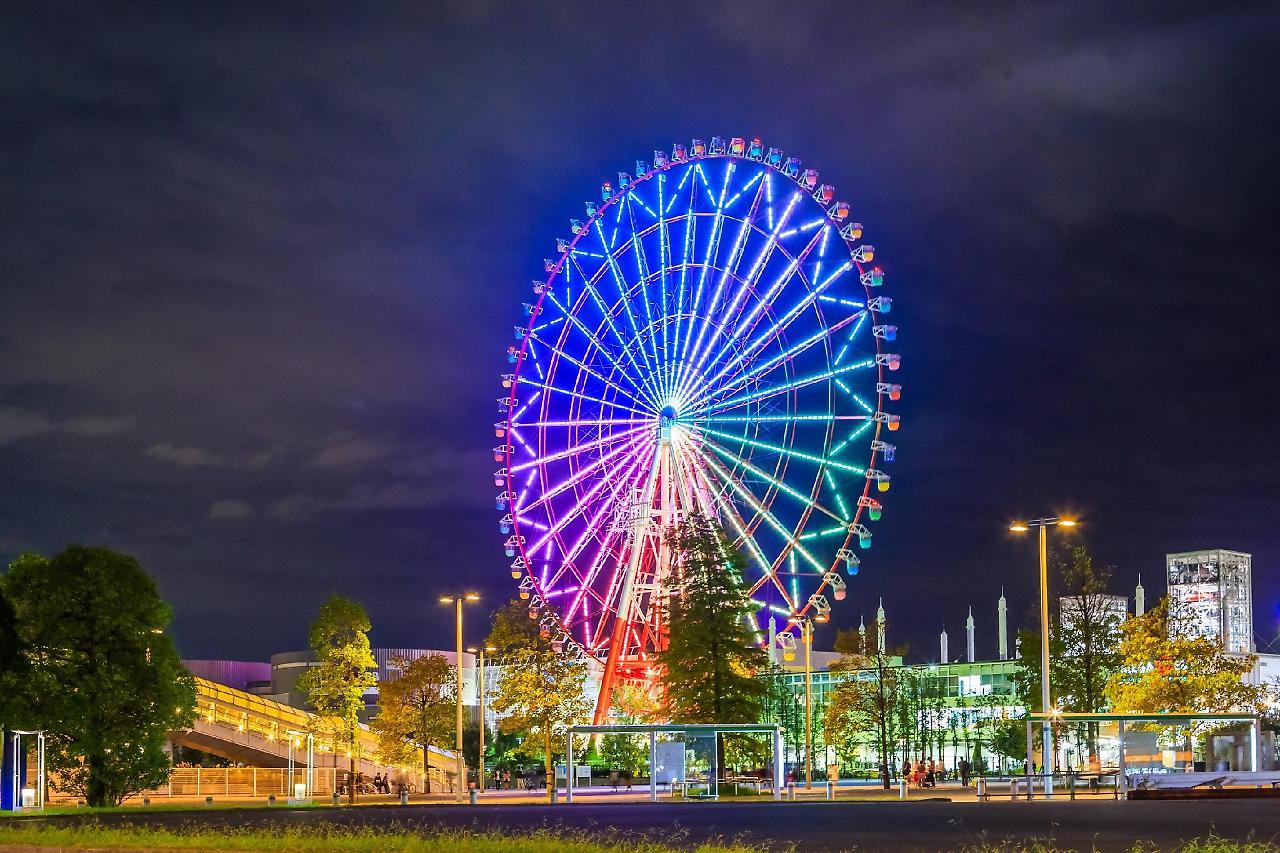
(964, 769)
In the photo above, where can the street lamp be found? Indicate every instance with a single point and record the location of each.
(806, 636)
(480, 688)
(457, 601)
(1046, 732)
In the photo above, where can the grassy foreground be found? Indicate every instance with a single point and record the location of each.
(330, 838)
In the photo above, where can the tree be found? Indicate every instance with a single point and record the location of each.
(871, 700)
(346, 669)
(1166, 669)
(711, 662)
(622, 751)
(416, 711)
(541, 689)
(102, 679)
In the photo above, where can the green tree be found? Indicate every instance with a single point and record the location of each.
(622, 751)
(416, 711)
(712, 661)
(1168, 669)
(540, 692)
(872, 701)
(103, 680)
(346, 669)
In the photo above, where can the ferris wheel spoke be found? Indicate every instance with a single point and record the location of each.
(728, 510)
(765, 368)
(747, 325)
(735, 459)
(783, 388)
(642, 271)
(763, 512)
(623, 290)
(664, 263)
(713, 246)
(603, 441)
(626, 481)
(690, 233)
(589, 285)
(602, 349)
(781, 325)
(786, 451)
(578, 509)
(728, 271)
(583, 367)
(747, 286)
(578, 395)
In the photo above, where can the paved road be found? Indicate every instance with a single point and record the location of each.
(818, 826)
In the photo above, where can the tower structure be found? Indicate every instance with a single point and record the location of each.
(1002, 625)
(943, 656)
(970, 649)
(1211, 595)
(880, 627)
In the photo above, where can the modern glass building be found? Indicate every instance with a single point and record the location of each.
(949, 713)
(1210, 595)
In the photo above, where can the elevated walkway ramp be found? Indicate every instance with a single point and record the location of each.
(258, 732)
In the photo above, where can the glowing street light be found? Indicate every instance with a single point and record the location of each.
(457, 601)
(1046, 732)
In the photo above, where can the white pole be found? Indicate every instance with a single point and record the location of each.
(1046, 732)
(653, 766)
(568, 767)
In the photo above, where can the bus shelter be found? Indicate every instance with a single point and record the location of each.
(1123, 721)
(688, 733)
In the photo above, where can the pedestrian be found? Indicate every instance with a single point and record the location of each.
(964, 769)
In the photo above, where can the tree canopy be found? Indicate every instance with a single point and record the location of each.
(712, 660)
(416, 711)
(1167, 669)
(868, 703)
(540, 692)
(101, 678)
(346, 669)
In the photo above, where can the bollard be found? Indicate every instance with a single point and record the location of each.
(982, 789)
(791, 791)
(555, 796)
(146, 801)
(1013, 789)
(404, 796)
(208, 801)
(271, 800)
(337, 798)
(474, 796)
(831, 790)
(902, 789)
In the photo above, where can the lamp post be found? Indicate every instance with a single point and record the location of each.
(1046, 732)
(457, 600)
(480, 691)
(806, 636)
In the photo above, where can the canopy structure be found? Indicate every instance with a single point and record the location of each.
(711, 730)
(1170, 719)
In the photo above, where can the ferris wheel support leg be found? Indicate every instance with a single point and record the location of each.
(621, 623)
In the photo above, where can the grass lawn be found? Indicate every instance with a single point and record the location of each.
(328, 838)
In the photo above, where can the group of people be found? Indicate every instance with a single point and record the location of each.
(927, 774)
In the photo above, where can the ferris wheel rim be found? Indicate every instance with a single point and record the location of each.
(555, 271)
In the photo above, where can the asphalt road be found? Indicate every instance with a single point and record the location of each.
(813, 826)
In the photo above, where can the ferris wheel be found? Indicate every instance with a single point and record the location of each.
(709, 338)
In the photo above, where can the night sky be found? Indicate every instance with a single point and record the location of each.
(259, 265)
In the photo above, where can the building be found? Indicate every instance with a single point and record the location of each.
(1211, 595)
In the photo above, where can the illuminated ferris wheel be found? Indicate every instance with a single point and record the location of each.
(709, 338)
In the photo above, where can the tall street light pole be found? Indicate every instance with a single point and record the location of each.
(806, 636)
(480, 688)
(1046, 731)
(457, 600)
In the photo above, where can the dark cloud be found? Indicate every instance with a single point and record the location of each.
(261, 262)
